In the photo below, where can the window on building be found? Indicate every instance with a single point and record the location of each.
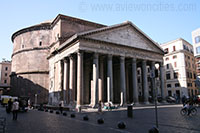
(6, 68)
(184, 47)
(197, 39)
(188, 57)
(169, 85)
(186, 63)
(167, 66)
(198, 50)
(40, 43)
(6, 74)
(22, 46)
(188, 75)
(166, 50)
(174, 57)
(174, 48)
(175, 75)
(177, 85)
(175, 64)
(169, 93)
(5, 81)
(167, 58)
(168, 76)
(194, 75)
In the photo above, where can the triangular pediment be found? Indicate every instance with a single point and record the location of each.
(125, 35)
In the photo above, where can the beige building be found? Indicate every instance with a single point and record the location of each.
(82, 62)
(196, 45)
(5, 69)
(179, 65)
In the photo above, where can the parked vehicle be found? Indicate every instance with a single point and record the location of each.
(170, 99)
(5, 99)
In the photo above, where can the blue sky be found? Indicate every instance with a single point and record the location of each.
(161, 20)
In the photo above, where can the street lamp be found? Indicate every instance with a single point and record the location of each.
(35, 100)
(156, 91)
(154, 75)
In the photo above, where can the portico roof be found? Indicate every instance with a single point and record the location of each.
(87, 34)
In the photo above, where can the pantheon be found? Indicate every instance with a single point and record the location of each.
(81, 62)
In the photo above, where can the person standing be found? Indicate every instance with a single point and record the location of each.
(61, 106)
(100, 107)
(9, 105)
(15, 109)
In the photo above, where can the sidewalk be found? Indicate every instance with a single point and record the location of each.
(135, 107)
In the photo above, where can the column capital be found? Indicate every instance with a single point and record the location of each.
(80, 51)
(134, 60)
(110, 56)
(96, 55)
(71, 56)
(122, 58)
(65, 59)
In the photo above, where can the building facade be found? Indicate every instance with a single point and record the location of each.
(196, 46)
(82, 62)
(180, 68)
(5, 70)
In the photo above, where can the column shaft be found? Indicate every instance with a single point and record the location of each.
(101, 80)
(162, 80)
(110, 79)
(79, 78)
(71, 79)
(94, 91)
(123, 81)
(66, 81)
(135, 83)
(145, 83)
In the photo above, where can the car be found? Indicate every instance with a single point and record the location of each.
(170, 99)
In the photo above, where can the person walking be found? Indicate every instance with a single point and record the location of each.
(15, 109)
(100, 107)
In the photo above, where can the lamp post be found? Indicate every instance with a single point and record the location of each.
(154, 75)
(35, 100)
(156, 98)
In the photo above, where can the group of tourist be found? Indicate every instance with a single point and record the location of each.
(14, 107)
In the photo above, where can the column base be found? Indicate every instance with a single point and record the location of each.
(78, 107)
(146, 103)
(136, 103)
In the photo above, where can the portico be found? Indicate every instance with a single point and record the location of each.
(103, 65)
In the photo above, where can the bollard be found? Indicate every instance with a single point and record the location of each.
(73, 116)
(64, 113)
(121, 125)
(153, 130)
(85, 118)
(130, 111)
(100, 121)
(57, 112)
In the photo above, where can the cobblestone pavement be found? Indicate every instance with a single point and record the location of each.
(143, 119)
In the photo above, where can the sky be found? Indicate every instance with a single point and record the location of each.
(161, 20)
